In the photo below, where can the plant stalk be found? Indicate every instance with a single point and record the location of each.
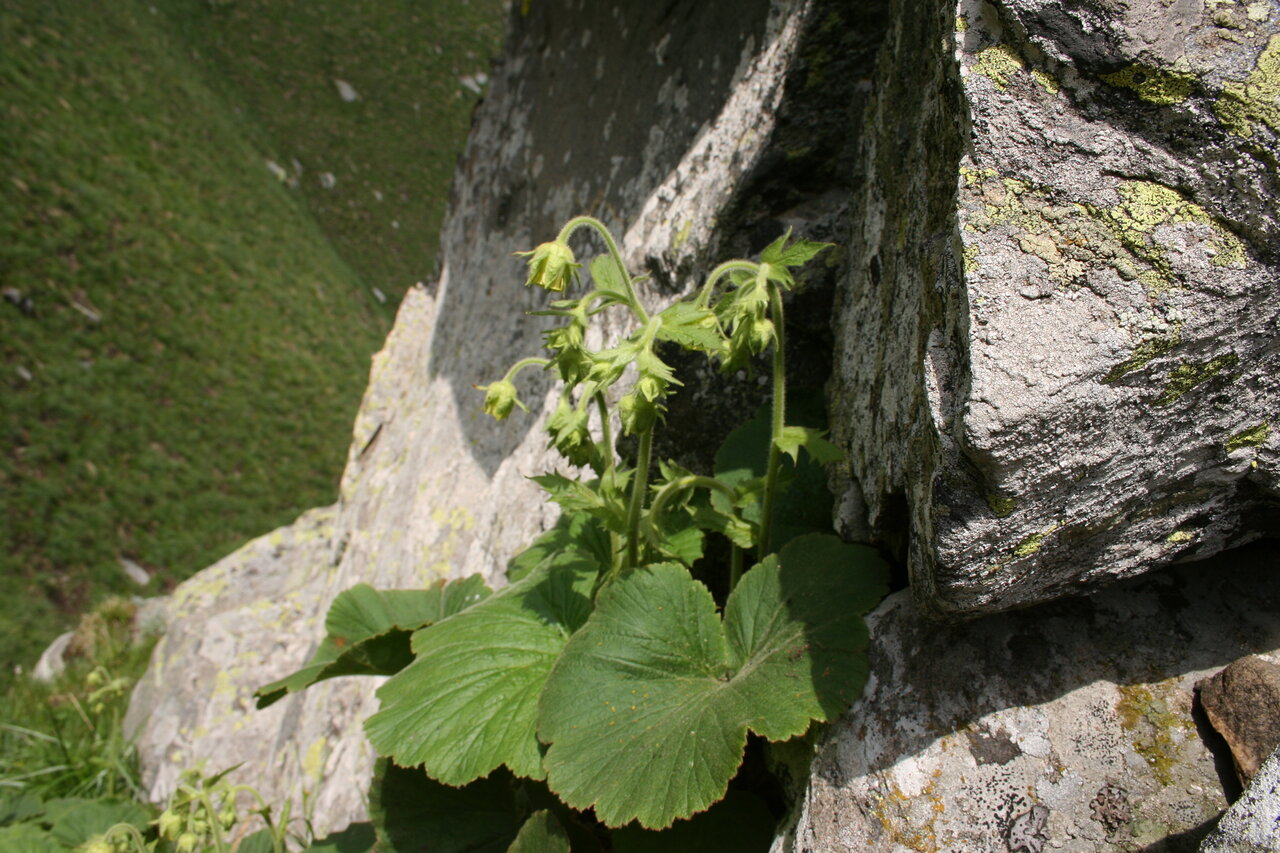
(638, 489)
(778, 420)
(591, 222)
(704, 296)
(735, 567)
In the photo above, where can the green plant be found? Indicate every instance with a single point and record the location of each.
(605, 677)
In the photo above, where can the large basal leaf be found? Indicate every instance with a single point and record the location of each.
(647, 711)
(415, 814)
(469, 702)
(356, 838)
(575, 534)
(541, 833)
(28, 838)
(740, 823)
(369, 631)
(73, 820)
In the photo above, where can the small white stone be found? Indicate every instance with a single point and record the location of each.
(346, 91)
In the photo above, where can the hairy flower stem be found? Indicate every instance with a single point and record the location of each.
(692, 481)
(606, 437)
(704, 296)
(595, 224)
(638, 489)
(778, 421)
(735, 567)
(522, 364)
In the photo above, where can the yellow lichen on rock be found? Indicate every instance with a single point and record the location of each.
(1157, 85)
(1256, 99)
(998, 64)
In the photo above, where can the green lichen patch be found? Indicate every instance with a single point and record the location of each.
(1179, 537)
(1186, 376)
(1157, 85)
(1144, 205)
(1002, 507)
(1047, 81)
(962, 24)
(998, 64)
(1142, 355)
(1245, 104)
(1072, 238)
(1251, 437)
(1033, 543)
(1149, 715)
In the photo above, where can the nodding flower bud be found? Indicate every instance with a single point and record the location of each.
(637, 413)
(170, 825)
(187, 842)
(500, 398)
(551, 265)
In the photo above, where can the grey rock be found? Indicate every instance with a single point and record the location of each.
(1063, 727)
(1055, 354)
(53, 660)
(1243, 704)
(346, 91)
(1252, 824)
(135, 572)
(432, 487)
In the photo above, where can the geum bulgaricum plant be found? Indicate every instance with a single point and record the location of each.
(605, 669)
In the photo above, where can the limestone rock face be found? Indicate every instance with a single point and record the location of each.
(653, 117)
(1065, 727)
(1056, 353)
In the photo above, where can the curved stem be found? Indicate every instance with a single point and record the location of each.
(778, 420)
(591, 222)
(638, 488)
(522, 364)
(704, 296)
(692, 481)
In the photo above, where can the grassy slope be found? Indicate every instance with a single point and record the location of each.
(213, 398)
(391, 151)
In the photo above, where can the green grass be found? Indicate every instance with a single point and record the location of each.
(391, 151)
(201, 329)
(64, 739)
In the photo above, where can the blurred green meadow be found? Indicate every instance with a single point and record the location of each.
(208, 213)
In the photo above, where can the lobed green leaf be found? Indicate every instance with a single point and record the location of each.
(740, 823)
(541, 833)
(813, 440)
(468, 703)
(412, 812)
(646, 712)
(368, 632)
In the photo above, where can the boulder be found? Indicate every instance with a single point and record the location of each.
(657, 118)
(1252, 824)
(1056, 361)
(1243, 704)
(1065, 727)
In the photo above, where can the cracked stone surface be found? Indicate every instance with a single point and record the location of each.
(1057, 361)
(1065, 727)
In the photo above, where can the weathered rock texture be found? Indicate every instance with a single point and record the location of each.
(1243, 704)
(1058, 348)
(1252, 824)
(677, 124)
(1066, 727)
